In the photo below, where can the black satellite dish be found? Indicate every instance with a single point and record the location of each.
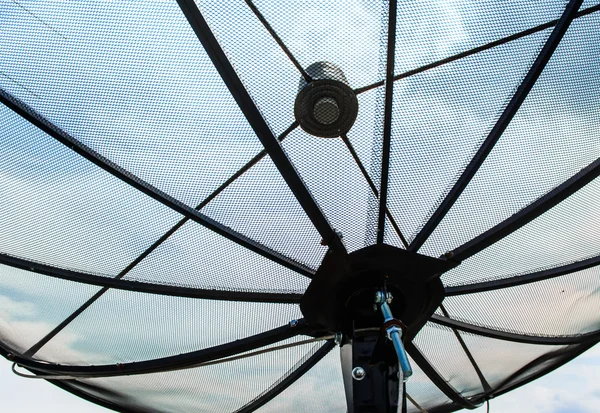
(312, 206)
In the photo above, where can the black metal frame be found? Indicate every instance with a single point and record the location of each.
(303, 195)
(522, 279)
(259, 125)
(148, 287)
(177, 362)
(387, 120)
(509, 112)
(529, 213)
(515, 337)
(364, 172)
(109, 166)
(475, 50)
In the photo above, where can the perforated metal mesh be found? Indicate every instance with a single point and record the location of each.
(323, 382)
(335, 181)
(326, 30)
(269, 76)
(423, 391)
(160, 326)
(132, 81)
(60, 209)
(430, 31)
(217, 388)
(31, 305)
(441, 117)
(365, 138)
(499, 359)
(197, 257)
(566, 305)
(147, 96)
(452, 363)
(567, 233)
(552, 137)
(261, 206)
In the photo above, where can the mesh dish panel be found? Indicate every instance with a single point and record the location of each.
(452, 363)
(269, 76)
(261, 206)
(320, 389)
(326, 30)
(498, 359)
(336, 182)
(391, 235)
(366, 139)
(216, 388)
(441, 117)
(580, 372)
(561, 306)
(431, 31)
(197, 257)
(31, 305)
(553, 136)
(123, 326)
(59, 209)
(423, 391)
(568, 232)
(132, 81)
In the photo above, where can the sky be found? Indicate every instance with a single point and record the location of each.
(573, 388)
(136, 86)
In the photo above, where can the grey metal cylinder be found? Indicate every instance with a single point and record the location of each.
(325, 106)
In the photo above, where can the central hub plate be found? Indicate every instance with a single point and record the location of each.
(340, 296)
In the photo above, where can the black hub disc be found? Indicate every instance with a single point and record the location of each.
(341, 294)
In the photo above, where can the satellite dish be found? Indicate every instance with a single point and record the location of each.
(302, 207)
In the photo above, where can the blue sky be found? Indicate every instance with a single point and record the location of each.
(573, 388)
(141, 91)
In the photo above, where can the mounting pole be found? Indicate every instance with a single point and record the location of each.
(394, 333)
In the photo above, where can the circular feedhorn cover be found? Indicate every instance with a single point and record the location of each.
(326, 106)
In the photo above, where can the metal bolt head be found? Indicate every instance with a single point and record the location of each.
(358, 373)
(379, 297)
(293, 323)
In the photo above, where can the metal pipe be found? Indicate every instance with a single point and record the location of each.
(395, 335)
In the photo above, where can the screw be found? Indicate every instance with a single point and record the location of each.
(337, 339)
(293, 323)
(358, 373)
(449, 254)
